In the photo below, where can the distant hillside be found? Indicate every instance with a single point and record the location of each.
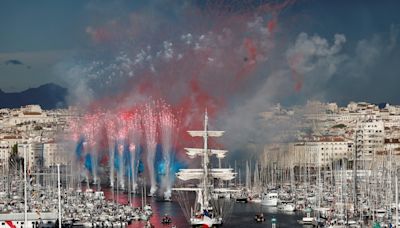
(48, 96)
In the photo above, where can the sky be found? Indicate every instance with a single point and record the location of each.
(40, 41)
(235, 58)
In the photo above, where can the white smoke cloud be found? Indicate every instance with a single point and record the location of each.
(76, 78)
(370, 55)
(315, 55)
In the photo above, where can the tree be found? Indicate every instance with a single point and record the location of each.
(37, 128)
(15, 161)
(14, 149)
(339, 126)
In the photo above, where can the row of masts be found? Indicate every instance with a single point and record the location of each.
(7, 184)
(372, 186)
(50, 181)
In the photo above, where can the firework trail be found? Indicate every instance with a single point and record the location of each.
(120, 161)
(135, 135)
(77, 137)
(150, 127)
(132, 150)
(111, 136)
(91, 130)
(122, 139)
(87, 162)
(168, 124)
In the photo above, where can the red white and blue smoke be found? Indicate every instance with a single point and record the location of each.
(150, 72)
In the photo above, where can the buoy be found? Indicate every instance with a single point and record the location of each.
(273, 222)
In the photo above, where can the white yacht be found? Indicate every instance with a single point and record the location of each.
(202, 214)
(270, 199)
(287, 207)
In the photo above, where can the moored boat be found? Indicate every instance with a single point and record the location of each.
(270, 199)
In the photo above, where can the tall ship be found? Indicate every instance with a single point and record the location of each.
(207, 211)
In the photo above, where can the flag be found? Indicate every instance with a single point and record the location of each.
(10, 224)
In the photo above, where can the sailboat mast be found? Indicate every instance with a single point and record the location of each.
(142, 196)
(355, 171)
(59, 195)
(25, 194)
(236, 179)
(397, 199)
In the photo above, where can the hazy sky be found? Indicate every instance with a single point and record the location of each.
(35, 36)
(38, 34)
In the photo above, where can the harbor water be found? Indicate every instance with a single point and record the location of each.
(242, 214)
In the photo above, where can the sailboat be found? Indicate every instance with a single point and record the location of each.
(204, 213)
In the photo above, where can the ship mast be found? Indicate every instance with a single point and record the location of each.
(205, 164)
(205, 174)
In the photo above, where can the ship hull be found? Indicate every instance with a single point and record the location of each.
(269, 202)
(206, 222)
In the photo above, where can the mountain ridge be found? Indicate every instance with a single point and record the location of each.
(48, 96)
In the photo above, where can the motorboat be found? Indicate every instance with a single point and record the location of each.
(287, 206)
(259, 217)
(270, 199)
(166, 219)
